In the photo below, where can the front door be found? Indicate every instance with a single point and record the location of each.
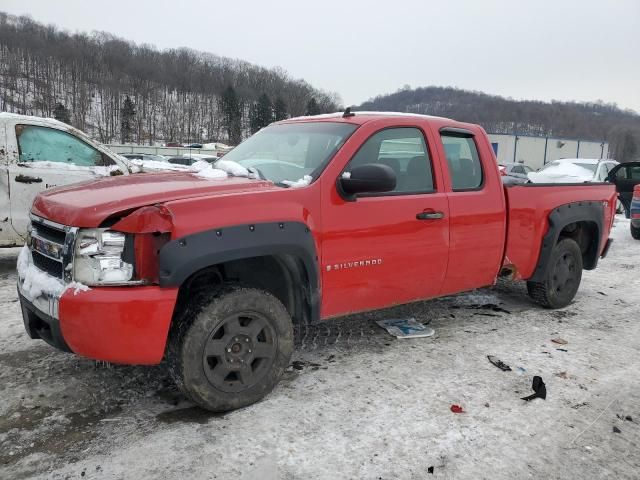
(389, 248)
(625, 176)
(47, 157)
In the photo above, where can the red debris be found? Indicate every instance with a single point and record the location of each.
(457, 409)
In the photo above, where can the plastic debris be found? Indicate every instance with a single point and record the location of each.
(561, 375)
(559, 341)
(499, 363)
(406, 328)
(430, 470)
(539, 387)
(562, 349)
(457, 409)
(520, 371)
(616, 430)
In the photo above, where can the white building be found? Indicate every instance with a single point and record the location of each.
(536, 151)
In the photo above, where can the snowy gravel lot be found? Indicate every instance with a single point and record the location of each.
(356, 403)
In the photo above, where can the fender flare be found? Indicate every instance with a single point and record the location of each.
(560, 217)
(182, 257)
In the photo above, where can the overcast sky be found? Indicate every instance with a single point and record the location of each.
(539, 49)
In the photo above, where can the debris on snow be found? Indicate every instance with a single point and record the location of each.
(520, 371)
(499, 363)
(457, 409)
(406, 328)
(539, 388)
(559, 341)
(303, 182)
(616, 430)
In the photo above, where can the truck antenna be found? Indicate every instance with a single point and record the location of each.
(348, 113)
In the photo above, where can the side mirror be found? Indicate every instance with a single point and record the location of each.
(368, 178)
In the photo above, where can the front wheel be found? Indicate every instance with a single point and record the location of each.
(232, 351)
(563, 276)
(635, 232)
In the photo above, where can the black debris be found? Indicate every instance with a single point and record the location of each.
(616, 430)
(562, 349)
(430, 470)
(499, 363)
(539, 387)
(628, 418)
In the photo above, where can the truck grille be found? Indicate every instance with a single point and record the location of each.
(51, 246)
(47, 264)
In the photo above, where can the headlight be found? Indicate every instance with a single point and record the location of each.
(98, 258)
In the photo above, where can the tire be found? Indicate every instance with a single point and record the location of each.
(231, 349)
(562, 277)
(635, 232)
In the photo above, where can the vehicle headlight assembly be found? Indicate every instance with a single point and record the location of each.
(98, 258)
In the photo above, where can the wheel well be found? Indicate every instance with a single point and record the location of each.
(284, 276)
(587, 236)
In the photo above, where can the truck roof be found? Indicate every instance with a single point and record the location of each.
(361, 117)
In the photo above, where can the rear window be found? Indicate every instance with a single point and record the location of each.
(464, 163)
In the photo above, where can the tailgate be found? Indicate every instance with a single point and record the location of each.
(528, 210)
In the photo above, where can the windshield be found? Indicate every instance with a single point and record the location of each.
(290, 152)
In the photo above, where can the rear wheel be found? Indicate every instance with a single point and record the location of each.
(635, 232)
(232, 350)
(562, 278)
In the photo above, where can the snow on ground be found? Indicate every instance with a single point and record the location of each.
(356, 403)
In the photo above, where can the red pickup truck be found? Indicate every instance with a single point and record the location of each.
(326, 216)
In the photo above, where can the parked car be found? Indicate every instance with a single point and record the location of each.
(213, 274)
(193, 145)
(514, 173)
(40, 153)
(173, 144)
(573, 170)
(145, 156)
(576, 170)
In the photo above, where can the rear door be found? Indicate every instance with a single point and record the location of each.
(388, 248)
(625, 176)
(47, 157)
(477, 226)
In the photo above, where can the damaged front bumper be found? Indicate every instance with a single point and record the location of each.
(40, 316)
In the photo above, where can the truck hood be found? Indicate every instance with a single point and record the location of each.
(88, 204)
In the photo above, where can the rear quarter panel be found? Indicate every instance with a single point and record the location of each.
(529, 207)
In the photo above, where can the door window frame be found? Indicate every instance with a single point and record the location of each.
(462, 133)
(396, 194)
(105, 160)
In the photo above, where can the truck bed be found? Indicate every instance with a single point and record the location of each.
(528, 208)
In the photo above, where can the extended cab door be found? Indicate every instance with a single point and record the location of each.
(477, 211)
(390, 248)
(625, 176)
(46, 157)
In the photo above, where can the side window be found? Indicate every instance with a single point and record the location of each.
(405, 151)
(42, 144)
(463, 160)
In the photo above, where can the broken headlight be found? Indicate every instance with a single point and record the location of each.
(98, 258)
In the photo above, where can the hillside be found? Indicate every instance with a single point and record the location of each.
(175, 95)
(590, 121)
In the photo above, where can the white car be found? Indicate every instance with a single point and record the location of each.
(573, 170)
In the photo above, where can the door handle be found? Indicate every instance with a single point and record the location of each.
(430, 215)
(28, 179)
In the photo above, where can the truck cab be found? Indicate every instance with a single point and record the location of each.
(41, 153)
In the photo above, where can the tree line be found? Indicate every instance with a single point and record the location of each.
(119, 91)
(596, 121)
